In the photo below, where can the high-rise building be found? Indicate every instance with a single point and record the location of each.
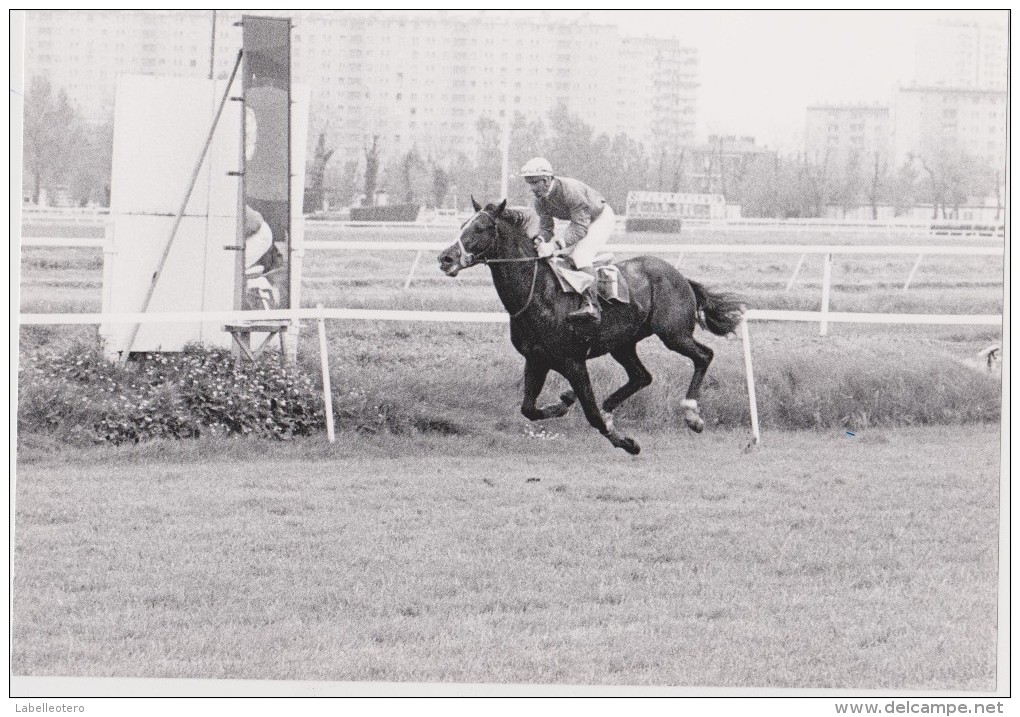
(841, 133)
(933, 119)
(83, 52)
(957, 102)
(661, 100)
(962, 53)
(412, 79)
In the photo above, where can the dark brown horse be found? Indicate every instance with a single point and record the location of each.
(662, 302)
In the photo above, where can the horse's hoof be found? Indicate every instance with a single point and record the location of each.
(631, 446)
(567, 398)
(695, 424)
(555, 410)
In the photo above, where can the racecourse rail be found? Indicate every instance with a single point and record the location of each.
(419, 248)
(320, 314)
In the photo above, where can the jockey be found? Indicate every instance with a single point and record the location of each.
(591, 222)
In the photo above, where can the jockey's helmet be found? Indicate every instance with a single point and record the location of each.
(537, 167)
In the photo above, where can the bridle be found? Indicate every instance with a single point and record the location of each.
(468, 259)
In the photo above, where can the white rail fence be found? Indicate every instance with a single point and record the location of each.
(320, 314)
(681, 251)
(960, 229)
(828, 251)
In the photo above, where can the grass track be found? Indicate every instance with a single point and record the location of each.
(816, 560)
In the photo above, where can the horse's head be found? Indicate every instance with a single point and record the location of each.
(477, 239)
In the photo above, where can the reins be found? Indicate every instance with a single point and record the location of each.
(519, 260)
(534, 280)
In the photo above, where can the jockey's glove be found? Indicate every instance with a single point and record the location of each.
(548, 248)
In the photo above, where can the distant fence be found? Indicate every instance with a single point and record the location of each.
(62, 215)
(958, 228)
(933, 228)
(940, 228)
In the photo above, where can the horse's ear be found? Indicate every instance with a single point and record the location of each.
(476, 205)
(501, 207)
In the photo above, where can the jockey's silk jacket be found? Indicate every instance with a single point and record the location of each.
(569, 199)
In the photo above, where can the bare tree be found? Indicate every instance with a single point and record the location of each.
(953, 177)
(440, 185)
(881, 167)
(371, 170)
(315, 192)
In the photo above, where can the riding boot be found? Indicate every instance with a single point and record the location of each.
(591, 310)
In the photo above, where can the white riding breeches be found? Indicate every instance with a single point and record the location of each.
(584, 252)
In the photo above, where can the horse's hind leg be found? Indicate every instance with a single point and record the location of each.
(577, 374)
(701, 355)
(534, 379)
(637, 377)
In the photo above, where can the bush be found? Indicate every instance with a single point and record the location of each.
(82, 396)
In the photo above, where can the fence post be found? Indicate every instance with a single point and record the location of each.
(913, 271)
(826, 286)
(749, 371)
(327, 393)
(414, 265)
(796, 270)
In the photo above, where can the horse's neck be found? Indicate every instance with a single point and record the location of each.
(513, 279)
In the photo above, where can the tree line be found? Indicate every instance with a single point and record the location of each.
(764, 184)
(63, 152)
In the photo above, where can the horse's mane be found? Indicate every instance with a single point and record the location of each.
(517, 217)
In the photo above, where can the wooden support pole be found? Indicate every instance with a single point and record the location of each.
(826, 287)
(327, 391)
(749, 370)
(796, 270)
(913, 271)
(414, 266)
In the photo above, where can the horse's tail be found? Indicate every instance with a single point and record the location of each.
(717, 311)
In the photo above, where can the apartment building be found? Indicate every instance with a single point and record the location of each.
(83, 52)
(962, 53)
(659, 105)
(840, 133)
(957, 101)
(929, 119)
(412, 79)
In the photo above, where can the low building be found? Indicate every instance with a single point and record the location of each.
(718, 166)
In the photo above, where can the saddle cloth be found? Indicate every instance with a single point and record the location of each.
(612, 285)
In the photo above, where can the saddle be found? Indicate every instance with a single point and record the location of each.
(612, 284)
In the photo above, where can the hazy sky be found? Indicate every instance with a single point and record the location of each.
(760, 69)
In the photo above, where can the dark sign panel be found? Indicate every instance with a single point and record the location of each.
(266, 178)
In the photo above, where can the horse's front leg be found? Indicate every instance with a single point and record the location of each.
(577, 374)
(535, 374)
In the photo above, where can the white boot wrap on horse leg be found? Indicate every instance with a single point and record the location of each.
(607, 418)
(689, 404)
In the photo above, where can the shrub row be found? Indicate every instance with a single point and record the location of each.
(80, 395)
(410, 384)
